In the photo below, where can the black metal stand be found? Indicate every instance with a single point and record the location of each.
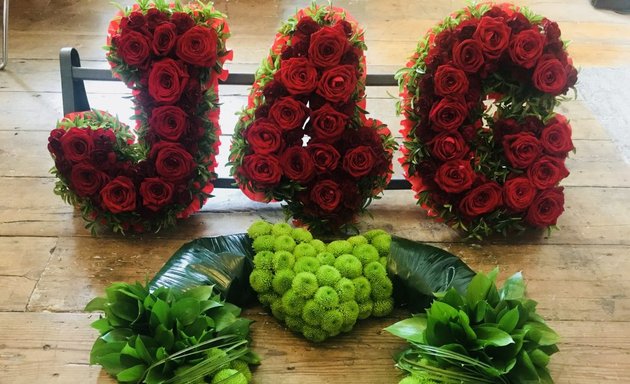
(75, 98)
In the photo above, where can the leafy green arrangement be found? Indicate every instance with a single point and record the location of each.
(168, 336)
(320, 289)
(488, 335)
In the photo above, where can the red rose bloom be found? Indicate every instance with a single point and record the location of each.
(338, 83)
(119, 195)
(546, 208)
(454, 176)
(307, 26)
(164, 38)
(264, 170)
(54, 143)
(297, 75)
(325, 156)
(198, 46)
(521, 149)
(448, 114)
(169, 122)
(526, 47)
(327, 195)
(327, 46)
(494, 36)
(156, 193)
(547, 172)
(263, 136)
(167, 80)
(359, 161)
(77, 144)
(468, 55)
(182, 21)
(518, 193)
(297, 164)
(134, 48)
(87, 180)
(135, 20)
(550, 75)
(288, 113)
(483, 199)
(448, 146)
(172, 161)
(449, 80)
(327, 124)
(556, 137)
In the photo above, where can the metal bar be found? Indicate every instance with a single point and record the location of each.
(5, 35)
(72, 89)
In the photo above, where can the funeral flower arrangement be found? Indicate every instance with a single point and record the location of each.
(171, 56)
(304, 138)
(483, 149)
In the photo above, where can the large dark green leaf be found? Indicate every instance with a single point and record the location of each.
(419, 270)
(223, 261)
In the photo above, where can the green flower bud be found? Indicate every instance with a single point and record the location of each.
(263, 243)
(326, 258)
(277, 310)
(383, 307)
(280, 229)
(306, 264)
(327, 275)
(365, 309)
(356, 240)
(318, 245)
(332, 321)
(362, 289)
(301, 235)
(345, 289)
(350, 312)
(282, 281)
(373, 233)
(260, 280)
(374, 270)
(305, 284)
(339, 247)
(259, 228)
(263, 260)
(295, 323)
(284, 243)
(313, 312)
(304, 250)
(366, 253)
(314, 334)
(242, 367)
(347, 328)
(382, 288)
(383, 261)
(326, 297)
(229, 376)
(267, 298)
(283, 260)
(349, 266)
(382, 243)
(218, 354)
(292, 303)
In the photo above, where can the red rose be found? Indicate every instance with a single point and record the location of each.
(135, 20)
(448, 114)
(297, 75)
(76, 144)
(449, 80)
(297, 164)
(455, 176)
(288, 113)
(448, 146)
(155, 17)
(307, 26)
(546, 208)
(172, 161)
(494, 36)
(359, 161)
(134, 48)
(518, 193)
(167, 81)
(198, 46)
(86, 180)
(550, 75)
(521, 149)
(483, 199)
(327, 195)
(547, 172)
(183, 21)
(156, 193)
(526, 47)
(264, 136)
(327, 46)
(264, 170)
(164, 38)
(327, 124)
(468, 55)
(54, 143)
(338, 83)
(169, 122)
(325, 156)
(119, 195)
(556, 137)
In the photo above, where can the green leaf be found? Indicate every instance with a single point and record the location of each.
(132, 374)
(539, 358)
(101, 325)
(142, 351)
(410, 329)
(111, 363)
(164, 337)
(117, 334)
(541, 333)
(240, 327)
(201, 293)
(509, 320)
(513, 288)
(186, 310)
(102, 348)
(478, 289)
(96, 304)
(488, 334)
(160, 313)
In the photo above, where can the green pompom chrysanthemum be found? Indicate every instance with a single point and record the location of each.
(345, 289)
(282, 281)
(284, 243)
(314, 333)
(382, 288)
(260, 280)
(327, 275)
(263, 260)
(318, 245)
(306, 264)
(229, 376)
(366, 253)
(304, 250)
(356, 240)
(326, 297)
(293, 303)
(326, 258)
(259, 228)
(374, 270)
(242, 367)
(312, 312)
(382, 243)
(301, 235)
(332, 321)
(305, 284)
(371, 234)
(283, 260)
(263, 243)
(339, 247)
(383, 307)
(365, 309)
(362, 289)
(349, 266)
(280, 229)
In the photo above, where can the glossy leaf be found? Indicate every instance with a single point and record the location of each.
(491, 335)
(131, 375)
(410, 329)
(513, 288)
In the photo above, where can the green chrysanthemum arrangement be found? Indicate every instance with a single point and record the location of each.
(318, 289)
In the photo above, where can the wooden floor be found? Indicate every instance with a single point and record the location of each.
(50, 266)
